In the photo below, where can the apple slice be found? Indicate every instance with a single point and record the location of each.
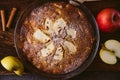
(71, 32)
(59, 24)
(48, 26)
(39, 35)
(107, 57)
(13, 64)
(71, 47)
(114, 46)
(48, 49)
(59, 53)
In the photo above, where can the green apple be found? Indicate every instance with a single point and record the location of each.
(114, 46)
(108, 57)
(110, 51)
(13, 64)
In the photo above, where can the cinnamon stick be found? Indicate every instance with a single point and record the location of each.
(2, 12)
(11, 17)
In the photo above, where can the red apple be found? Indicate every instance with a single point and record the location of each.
(108, 20)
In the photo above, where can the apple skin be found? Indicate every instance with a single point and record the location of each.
(108, 20)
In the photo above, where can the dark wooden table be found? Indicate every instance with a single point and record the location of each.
(96, 71)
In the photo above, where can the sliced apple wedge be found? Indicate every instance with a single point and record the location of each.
(71, 47)
(59, 24)
(48, 26)
(59, 53)
(48, 50)
(39, 35)
(113, 45)
(107, 57)
(11, 63)
(71, 32)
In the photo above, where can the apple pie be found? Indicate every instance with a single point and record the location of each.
(56, 37)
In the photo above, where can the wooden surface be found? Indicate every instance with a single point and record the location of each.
(7, 44)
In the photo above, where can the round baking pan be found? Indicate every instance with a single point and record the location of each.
(75, 72)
